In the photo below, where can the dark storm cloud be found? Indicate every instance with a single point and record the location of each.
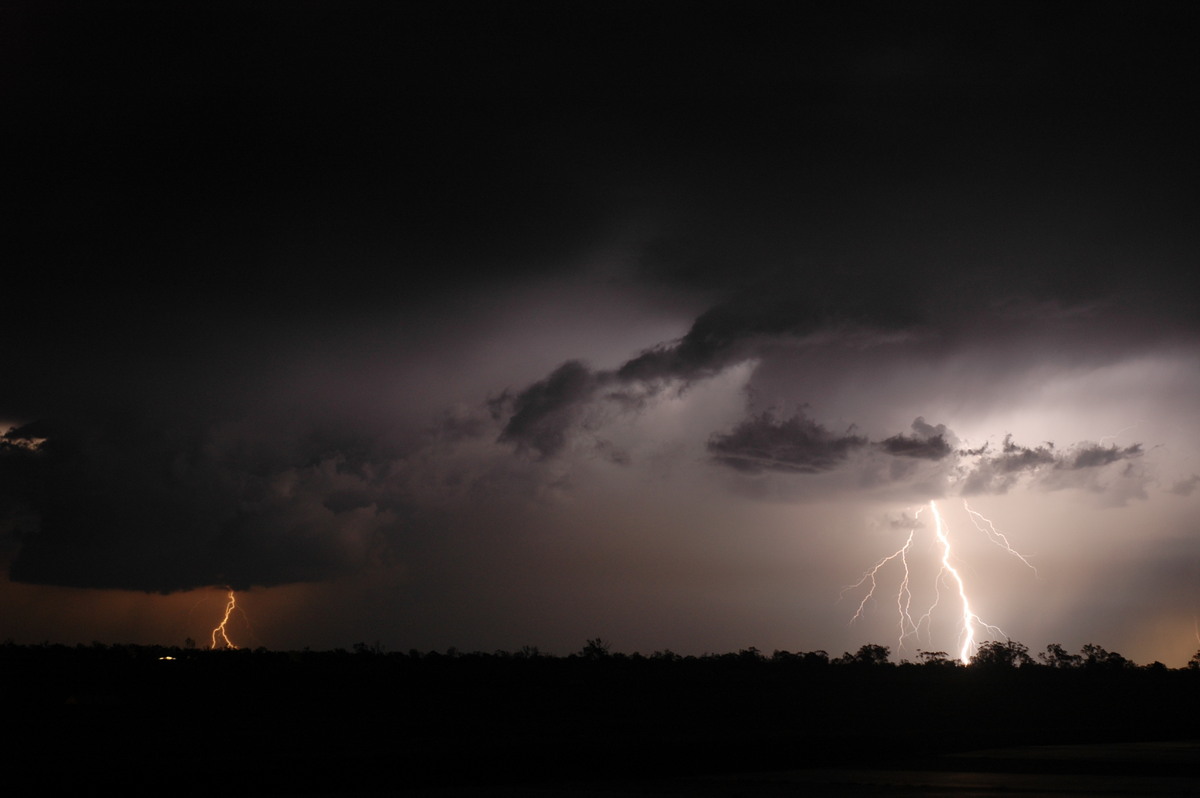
(120, 503)
(1094, 455)
(543, 413)
(927, 442)
(829, 310)
(1015, 458)
(799, 445)
(794, 445)
(725, 334)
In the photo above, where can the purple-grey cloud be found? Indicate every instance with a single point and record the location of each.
(1185, 487)
(541, 416)
(926, 442)
(1047, 467)
(800, 445)
(1095, 455)
(793, 445)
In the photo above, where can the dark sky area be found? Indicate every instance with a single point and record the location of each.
(517, 323)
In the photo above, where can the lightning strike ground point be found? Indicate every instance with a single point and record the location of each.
(971, 626)
(969, 619)
(220, 629)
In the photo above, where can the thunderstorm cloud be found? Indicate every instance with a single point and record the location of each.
(149, 508)
(489, 329)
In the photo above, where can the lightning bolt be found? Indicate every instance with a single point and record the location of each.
(220, 629)
(996, 536)
(970, 621)
(1121, 431)
(971, 626)
(903, 595)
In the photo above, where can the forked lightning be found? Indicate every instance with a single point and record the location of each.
(971, 626)
(220, 630)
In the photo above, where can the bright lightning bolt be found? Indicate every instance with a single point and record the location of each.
(971, 625)
(969, 619)
(220, 629)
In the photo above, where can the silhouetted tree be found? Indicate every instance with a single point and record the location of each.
(819, 657)
(1009, 654)
(939, 659)
(869, 654)
(1194, 662)
(1097, 657)
(596, 649)
(802, 658)
(1057, 657)
(751, 654)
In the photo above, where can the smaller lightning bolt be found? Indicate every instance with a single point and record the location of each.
(220, 629)
(996, 536)
(1122, 431)
(903, 596)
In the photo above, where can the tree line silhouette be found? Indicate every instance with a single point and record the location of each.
(366, 717)
(991, 654)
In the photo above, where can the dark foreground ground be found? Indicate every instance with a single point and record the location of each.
(338, 723)
(1132, 770)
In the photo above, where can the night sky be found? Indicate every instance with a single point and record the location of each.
(520, 323)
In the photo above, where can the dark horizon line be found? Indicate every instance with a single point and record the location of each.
(993, 654)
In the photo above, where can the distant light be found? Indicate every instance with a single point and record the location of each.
(162, 658)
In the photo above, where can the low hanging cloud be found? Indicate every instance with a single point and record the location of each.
(123, 504)
(794, 445)
(799, 445)
(1094, 455)
(927, 442)
(543, 414)
(997, 473)
(1046, 467)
